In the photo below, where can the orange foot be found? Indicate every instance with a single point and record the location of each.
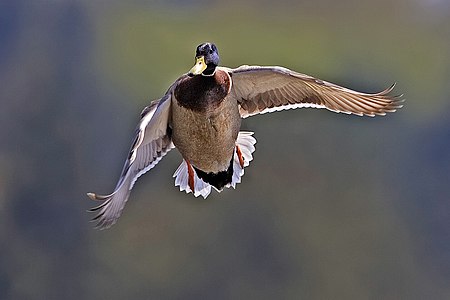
(240, 157)
(191, 176)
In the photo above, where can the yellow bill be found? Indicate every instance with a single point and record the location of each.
(199, 66)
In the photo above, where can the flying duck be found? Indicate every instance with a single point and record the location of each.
(201, 113)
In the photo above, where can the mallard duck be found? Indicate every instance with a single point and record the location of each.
(201, 113)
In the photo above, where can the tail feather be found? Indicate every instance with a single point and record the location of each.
(182, 180)
(246, 143)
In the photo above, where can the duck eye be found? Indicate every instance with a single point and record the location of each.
(210, 51)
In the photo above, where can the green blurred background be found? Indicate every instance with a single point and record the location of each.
(332, 207)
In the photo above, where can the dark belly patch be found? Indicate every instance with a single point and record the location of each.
(220, 179)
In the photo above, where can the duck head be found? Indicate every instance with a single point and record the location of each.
(206, 60)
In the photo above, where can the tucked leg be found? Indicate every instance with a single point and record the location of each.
(191, 176)
(240, 157)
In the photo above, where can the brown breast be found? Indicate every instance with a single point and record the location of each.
(200, 93)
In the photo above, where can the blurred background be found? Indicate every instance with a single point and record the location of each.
(332, 207)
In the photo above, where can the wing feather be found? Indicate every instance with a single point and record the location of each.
(151, 143)
(259, 90)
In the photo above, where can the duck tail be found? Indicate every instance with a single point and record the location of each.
(192, 180)
(245, 146)
(186, 178)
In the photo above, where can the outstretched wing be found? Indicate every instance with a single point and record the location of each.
(259, 90)
(151, 142)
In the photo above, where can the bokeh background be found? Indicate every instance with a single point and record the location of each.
(332, 207)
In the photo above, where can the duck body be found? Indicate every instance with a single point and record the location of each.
(205, 124)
